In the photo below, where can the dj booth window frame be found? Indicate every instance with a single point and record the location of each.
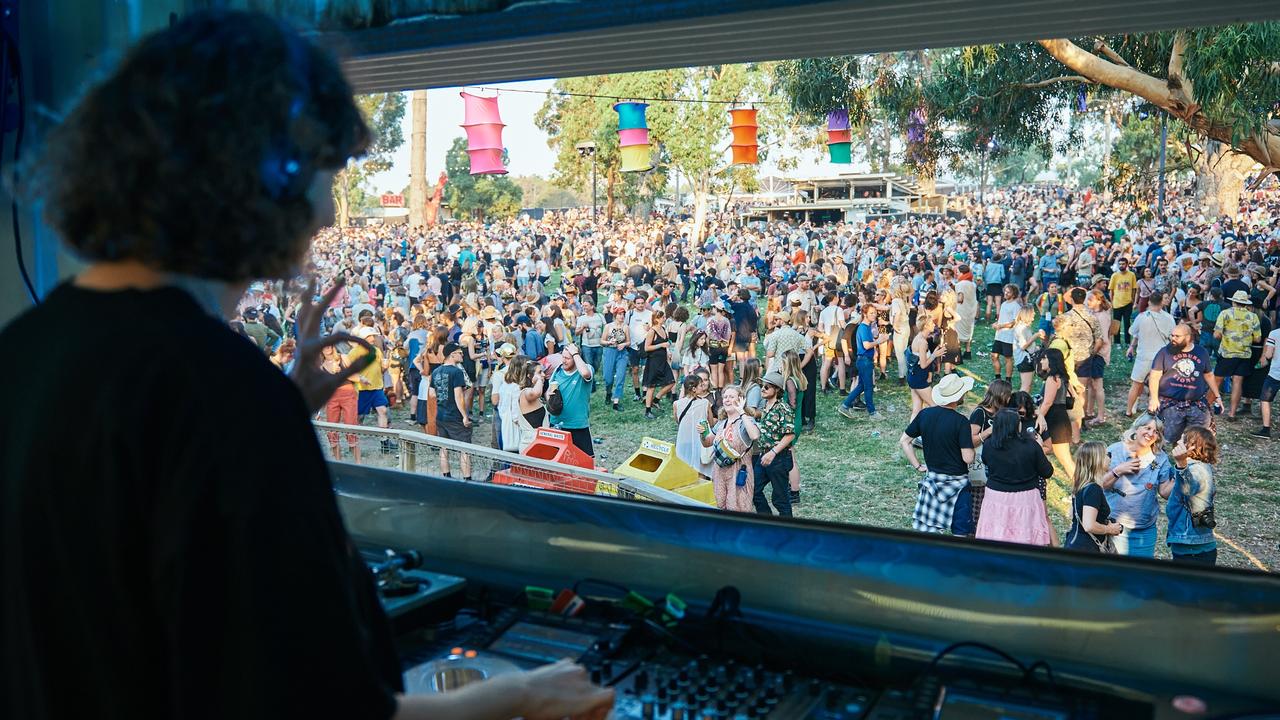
(1112, 621)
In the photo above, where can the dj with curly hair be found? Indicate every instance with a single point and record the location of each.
(148, 570)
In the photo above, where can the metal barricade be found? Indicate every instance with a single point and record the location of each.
(418, 452)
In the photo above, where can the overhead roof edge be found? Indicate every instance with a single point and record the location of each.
(565, 38)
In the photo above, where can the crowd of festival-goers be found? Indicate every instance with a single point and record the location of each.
(739, 329)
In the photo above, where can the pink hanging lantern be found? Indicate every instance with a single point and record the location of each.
(483, 126)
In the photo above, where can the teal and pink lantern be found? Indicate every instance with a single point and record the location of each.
(484, 134)
(839, 137)
(745, 146)
(633, 137)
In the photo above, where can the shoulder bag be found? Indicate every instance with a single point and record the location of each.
(1105, 546)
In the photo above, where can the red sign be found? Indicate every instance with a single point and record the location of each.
(390, 200)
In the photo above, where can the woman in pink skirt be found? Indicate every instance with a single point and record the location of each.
(734, 484)
(1012, 509)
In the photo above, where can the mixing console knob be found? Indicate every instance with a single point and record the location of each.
(646, 707)
(678, 712)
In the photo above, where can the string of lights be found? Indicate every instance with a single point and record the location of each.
(620, 98)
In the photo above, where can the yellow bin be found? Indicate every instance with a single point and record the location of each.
(655, 462)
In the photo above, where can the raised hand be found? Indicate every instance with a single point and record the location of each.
(317, 384)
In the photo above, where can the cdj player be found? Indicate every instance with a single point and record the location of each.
(667, 662)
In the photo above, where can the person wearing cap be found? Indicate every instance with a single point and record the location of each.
(944, 500)
(1237, 329)
(264, 337)
(453, 421)
(500, 393)
(772, 456)
(369, 382)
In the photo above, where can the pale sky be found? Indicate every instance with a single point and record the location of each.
(526, 144)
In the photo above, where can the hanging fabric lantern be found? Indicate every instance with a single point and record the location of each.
(839, 137)
(633, 137)
(745, 144)
(484, 134)
(1082, 101)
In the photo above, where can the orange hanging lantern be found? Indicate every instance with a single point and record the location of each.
(745, 146)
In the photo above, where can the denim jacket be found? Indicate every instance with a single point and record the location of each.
(1193, 486)
(1134, 499)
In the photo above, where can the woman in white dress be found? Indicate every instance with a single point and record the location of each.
(688, 411)
(966, 309)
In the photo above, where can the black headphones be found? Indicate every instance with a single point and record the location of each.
(283, 173)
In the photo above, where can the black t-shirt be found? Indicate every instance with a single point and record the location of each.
(1092, 496)
(1017, 466)
(174, 548)
(444, 379)
(945, 433)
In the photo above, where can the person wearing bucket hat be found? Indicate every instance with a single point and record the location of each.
(944, 499)
(1237, 330)
(773, 459)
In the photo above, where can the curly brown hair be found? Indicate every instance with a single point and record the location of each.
(1202, 444)
(174, 159)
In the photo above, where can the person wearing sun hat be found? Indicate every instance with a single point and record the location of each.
(1237, 329)
(944, 498)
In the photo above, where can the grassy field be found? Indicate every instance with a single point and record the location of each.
(852, 470)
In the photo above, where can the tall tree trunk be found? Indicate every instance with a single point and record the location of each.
(1220, 176)
(927, 179)
(610, 190)
(886, 152)
(418, 160)
(700, 211)
(343, 197)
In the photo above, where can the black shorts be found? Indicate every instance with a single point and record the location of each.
(1059, 425)
(1002, 348)
(581, 438)
(453, 430)
(1093, 367)
(1229, 367)
(1026, 366)
(717, 356)
(635, 358)
(1269, 387)
(994, 290)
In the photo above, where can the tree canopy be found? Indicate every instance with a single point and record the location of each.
(383, 113)
(479, 196)
(1221, 82)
